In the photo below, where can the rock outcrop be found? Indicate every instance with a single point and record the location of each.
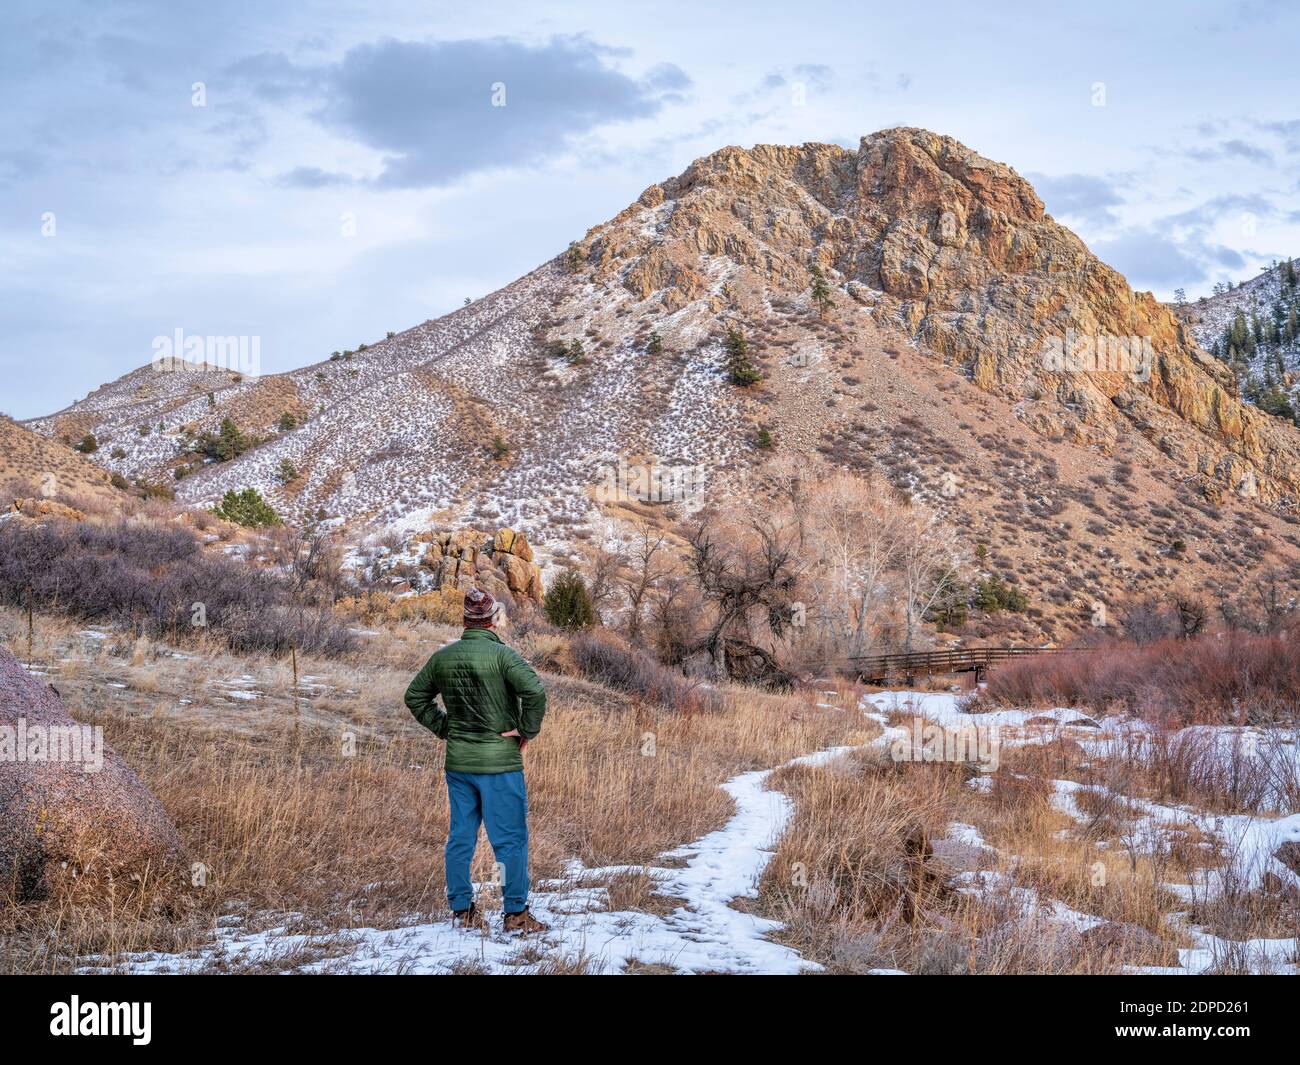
(500, 562)
(70, 808)
(957, 251)
(45, 508)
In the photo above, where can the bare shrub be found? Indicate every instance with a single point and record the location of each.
(604, 658)
(157, 581)
(1234, 677)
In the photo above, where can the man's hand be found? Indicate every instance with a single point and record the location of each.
(522, 742)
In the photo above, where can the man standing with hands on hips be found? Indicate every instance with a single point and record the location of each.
(494, 704)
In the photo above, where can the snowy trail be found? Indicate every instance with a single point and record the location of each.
(704, 935)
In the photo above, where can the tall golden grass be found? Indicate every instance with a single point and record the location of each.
(338, 812)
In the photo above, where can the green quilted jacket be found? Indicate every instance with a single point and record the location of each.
(487, 689)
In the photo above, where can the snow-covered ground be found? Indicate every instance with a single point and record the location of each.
(707, 933)
(1247, 842)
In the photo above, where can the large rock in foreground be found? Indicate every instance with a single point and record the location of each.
(69, 806)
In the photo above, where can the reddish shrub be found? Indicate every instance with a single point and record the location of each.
(1232, 677)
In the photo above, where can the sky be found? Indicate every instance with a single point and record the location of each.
(314, 175)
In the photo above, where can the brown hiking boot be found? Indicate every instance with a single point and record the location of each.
(470, 918)
(524, 922)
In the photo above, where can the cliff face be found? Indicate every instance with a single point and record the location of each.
(957, 251)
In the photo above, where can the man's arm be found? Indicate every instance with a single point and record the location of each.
(526, 685)
(422, 701)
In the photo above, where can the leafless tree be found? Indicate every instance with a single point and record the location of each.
(858, 532)
(743, 572)
(647, 566)
(1192, 613)
(604, 575)
(929, 560)
(1146, 620)
(1274, 603)
(671, 616)
(311, 556)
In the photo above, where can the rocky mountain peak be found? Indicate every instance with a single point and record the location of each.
(956, 251)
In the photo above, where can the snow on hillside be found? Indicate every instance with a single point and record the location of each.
(1266, 344)
(401, 433)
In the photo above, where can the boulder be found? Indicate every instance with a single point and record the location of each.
(1289, 855)
(518, 574)
(1127, 944)
(45, 508)
(77, 812)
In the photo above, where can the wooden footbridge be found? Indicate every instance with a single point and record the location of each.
(877, 669)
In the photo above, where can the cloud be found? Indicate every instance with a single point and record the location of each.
(1198, 221)
(312, 177)
(803, 76)
(19, 165)
(1287, 129)
(274, 76)
(1078, 196)
(440, 110)
(1179, 249)
(818, 75)
(1151, 260)
(1183, 249)
(1232, 149)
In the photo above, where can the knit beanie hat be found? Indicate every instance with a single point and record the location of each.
(480, 609)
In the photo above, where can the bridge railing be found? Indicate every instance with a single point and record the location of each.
(956, 660)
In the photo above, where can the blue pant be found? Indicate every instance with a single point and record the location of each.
(499, 801)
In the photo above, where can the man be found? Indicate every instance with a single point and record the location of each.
(494, 706)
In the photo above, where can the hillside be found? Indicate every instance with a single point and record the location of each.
(33, 466)
(926, 362)
(1254, 327)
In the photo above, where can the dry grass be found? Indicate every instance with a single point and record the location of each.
(864, 879)
(343, 819)
(852, 861)
(288, 822)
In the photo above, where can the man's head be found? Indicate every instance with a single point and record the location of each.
(481, 610)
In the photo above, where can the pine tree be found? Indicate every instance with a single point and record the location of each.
(655, 344)
(740, 369)
(821, 291)
(229, 443)
(949, 610)
(246, 508)
(568, 603)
